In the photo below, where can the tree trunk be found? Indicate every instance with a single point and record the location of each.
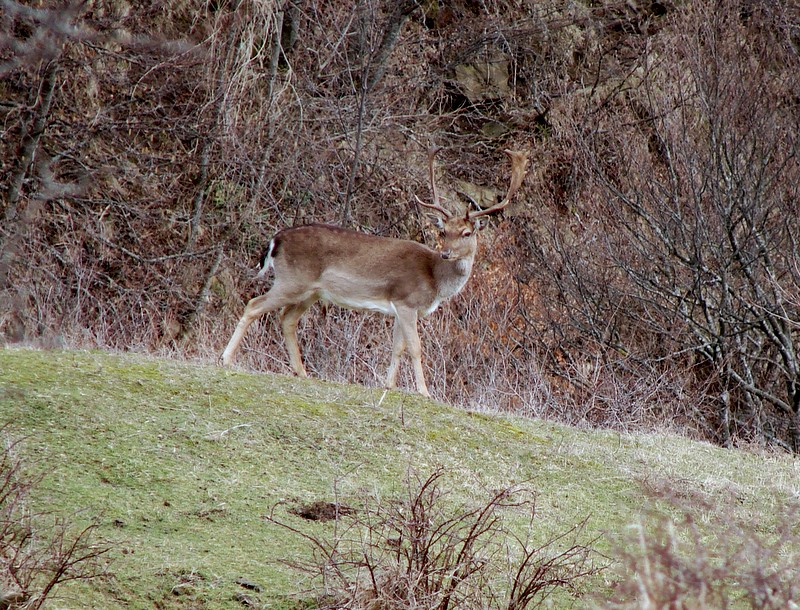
(15, 217)
(794, 422)
(30, 141)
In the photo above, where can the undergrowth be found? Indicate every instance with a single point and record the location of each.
(707, 556)
(416, 551)
(39, 551)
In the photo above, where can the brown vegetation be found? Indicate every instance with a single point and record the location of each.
(708, 558)
(646, 275)
(411, 552)
(39, 552)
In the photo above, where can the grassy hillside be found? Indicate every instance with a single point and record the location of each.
(180, 462)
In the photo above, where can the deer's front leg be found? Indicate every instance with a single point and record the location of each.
(406, 337)
(398, 347)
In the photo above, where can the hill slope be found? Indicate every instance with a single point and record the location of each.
(179, 462)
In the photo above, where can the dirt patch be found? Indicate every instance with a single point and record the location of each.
(321, 511)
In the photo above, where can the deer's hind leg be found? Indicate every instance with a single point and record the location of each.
(276, 298)
(290, 316)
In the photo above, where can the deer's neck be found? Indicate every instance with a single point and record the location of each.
(452, 275)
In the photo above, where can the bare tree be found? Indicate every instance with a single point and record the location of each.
(686, 187)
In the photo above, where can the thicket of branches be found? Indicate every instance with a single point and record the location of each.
(676, 248)
(416, 552)
(39, 551)
(647, 273)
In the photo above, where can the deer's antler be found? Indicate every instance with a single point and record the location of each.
(435, 193)
(519, 167)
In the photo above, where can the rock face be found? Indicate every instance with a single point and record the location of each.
(481, 81)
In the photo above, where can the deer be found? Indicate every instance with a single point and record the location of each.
(396, 277)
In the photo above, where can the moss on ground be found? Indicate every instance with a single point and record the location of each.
(180, 461)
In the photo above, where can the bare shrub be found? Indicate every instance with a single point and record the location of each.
(39, 551)
(711, 558)
(414, 552)
(667, 243)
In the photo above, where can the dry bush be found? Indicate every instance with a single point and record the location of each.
(666, 249)
(415, 552)
(39, 552)
(710, 558)
(164, 161)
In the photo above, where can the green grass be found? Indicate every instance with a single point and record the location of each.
(180, 461)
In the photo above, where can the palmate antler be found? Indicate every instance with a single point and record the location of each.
(519, 167)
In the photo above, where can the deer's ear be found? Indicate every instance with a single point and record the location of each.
(436, 220)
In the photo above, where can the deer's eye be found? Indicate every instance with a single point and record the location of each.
(466, 232)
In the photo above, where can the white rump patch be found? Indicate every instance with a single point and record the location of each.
(268, 261)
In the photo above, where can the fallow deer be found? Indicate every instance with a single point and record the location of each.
(396, 277)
